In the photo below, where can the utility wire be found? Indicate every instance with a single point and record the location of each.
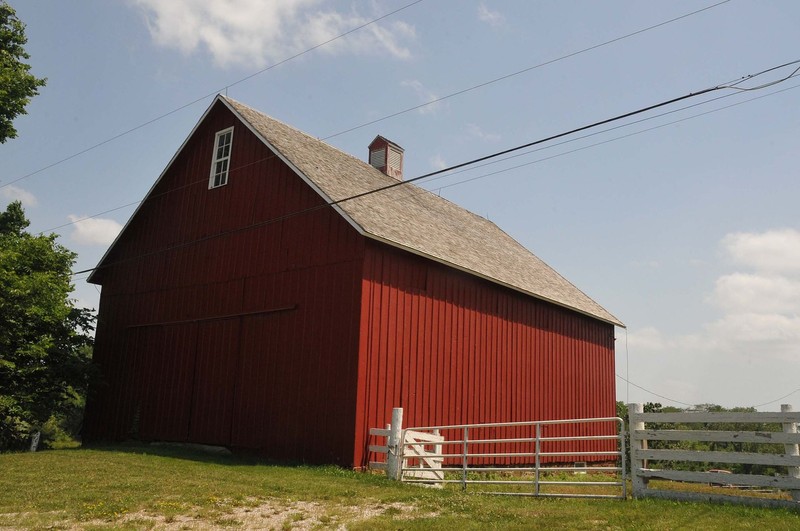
(693, 405)
(524, 70)
(765, 85)
(673, 111)
(236, 168)
(491, 174)
(346, 33)
(777, 399)
(561, 135)
(421, 191)
(201, 98)
(654, 393)
(392, 115)
(627, 370)
(582, 148)
(430, 174)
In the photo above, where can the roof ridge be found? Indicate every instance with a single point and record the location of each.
(300, 131)
(417, 219)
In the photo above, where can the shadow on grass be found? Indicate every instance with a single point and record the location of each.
(195, 452)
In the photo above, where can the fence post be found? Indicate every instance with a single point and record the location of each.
(35, 441)
(791, 449)
(394, 459)
(623, 460)
(638, 482)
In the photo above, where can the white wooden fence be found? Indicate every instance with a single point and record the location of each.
(409, 453)
(643, 458)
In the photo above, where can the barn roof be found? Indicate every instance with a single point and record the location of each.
(407, 217)
(414, 219)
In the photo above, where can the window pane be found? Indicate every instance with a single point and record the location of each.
(220, 163)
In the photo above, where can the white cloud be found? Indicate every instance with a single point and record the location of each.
(751, 353)
(493, 18)
(648, 338)
(437, 162)
(424, 96)
(254, 33)
(14, 193)
(93, 231)
(768, 335)
(772, 251)
(756, 293)
(475, 131)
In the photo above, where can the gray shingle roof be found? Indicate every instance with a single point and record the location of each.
(411, 218)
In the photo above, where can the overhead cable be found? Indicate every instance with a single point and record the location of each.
(206, 96)
(778, 399)
(392, 115)
(654, 393)
(430, 174)
(694, 405)
(571, 140)
(582, 148)
(524, 70)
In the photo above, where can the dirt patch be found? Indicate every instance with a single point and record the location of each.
(270, 514)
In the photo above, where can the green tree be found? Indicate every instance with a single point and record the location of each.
(45, 342)
(17, 84)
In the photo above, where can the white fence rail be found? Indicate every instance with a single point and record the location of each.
(642, 457)
(520, 457)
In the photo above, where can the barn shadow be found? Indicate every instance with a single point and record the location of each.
(192, 452)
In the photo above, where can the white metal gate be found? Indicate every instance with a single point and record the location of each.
(564, 458)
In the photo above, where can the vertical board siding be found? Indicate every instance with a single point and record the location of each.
(215, 376)
(223, 321)
(219, 325)
(476, 353)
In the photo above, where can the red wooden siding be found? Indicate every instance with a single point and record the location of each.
(293, 337)
(248, 339)
(451, 348)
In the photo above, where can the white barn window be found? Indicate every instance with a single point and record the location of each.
(220, 164)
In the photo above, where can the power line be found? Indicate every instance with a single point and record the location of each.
(627, 369)
(201, 98)
(388, 116)
(693, 405)
(778, 399)
(561, 135)
(524, 70)
(582, 148)
(764, 85)
(491, 174)
(346, 33)
(654, 393)
(431, 174)
(571, 140)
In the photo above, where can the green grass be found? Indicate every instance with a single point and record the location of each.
(144, 487)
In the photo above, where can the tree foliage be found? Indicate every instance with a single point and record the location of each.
(17, 84)
(45, 342)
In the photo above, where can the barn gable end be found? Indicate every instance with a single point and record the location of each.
(210, 324)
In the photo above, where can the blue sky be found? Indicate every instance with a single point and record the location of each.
(688, 232)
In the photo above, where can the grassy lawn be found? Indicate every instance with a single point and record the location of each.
(145, 487)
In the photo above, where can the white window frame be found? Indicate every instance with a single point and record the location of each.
(222, 159)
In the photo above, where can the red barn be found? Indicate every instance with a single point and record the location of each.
(244, 306)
